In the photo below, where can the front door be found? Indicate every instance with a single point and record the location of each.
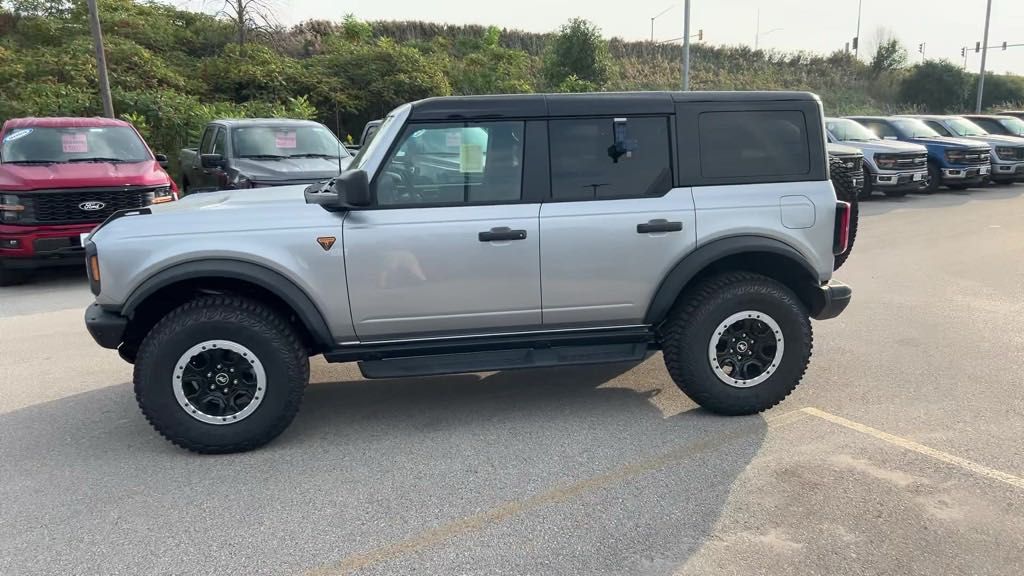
(450, 246)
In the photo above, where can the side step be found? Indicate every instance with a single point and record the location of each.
(493, 360)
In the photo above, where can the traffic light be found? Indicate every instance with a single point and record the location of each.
(977, 47)
(920, 48)
(963, 52)
(1004, 44)
(700, 37)
(854, 42)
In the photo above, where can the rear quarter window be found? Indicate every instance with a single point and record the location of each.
(753, 144)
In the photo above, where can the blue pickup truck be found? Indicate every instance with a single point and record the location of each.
(954, 162)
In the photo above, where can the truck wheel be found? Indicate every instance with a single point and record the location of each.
(934, 178)
(738, 343)
(221, 374)
(869, 186)
(846, 192)
(10, 277)
(185, 186)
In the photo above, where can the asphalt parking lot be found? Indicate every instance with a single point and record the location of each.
(899, 454)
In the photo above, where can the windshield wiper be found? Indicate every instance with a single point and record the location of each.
(263, 156)
(30, 161)
(96, 159)
(314, 155)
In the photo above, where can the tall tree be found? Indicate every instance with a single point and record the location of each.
(579, 51)
(247, 16)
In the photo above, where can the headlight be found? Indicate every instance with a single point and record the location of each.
(885, 161)
(161, 195)
(955, 156)
(1008, 153)
(10, 208)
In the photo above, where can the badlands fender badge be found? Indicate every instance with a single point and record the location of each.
(326, 242)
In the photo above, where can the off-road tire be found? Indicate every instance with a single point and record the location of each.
(247, 322)
(846, 192)
(687, 332)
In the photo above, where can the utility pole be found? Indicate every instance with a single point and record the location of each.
(101, 59)
(856, 39)
(659, 15)
(984, 53)
(686, 46)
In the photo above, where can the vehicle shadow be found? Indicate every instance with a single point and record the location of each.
(598, 479)
(941, 199)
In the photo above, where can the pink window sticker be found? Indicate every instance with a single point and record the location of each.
(285, 139)
(75, 143)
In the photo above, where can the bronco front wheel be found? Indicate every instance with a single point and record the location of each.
(221, 374)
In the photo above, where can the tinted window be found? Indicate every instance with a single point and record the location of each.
(207, 144)
(589, 161)
(881, 128)
(454, 163)
(755, 143)
(219, 141)
(938, 127)
(991, 126)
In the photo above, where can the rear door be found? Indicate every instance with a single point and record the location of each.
(451, 246)
(615, 224)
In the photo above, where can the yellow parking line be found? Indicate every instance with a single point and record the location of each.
(978, 469)
(495, 515)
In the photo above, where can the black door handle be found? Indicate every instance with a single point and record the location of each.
(659, 226)
(502, 234)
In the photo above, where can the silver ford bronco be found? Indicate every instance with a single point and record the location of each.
(489, 233)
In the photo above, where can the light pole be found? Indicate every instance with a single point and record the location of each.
(856, 39)
(984, 53)
(758, 34)
(659, 15)
(101, 59)
(686, 46)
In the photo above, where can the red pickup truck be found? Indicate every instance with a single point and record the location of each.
(60, 178)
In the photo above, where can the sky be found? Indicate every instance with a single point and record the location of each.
(944, 26)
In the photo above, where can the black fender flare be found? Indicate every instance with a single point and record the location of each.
(300, 303)
(693, 263)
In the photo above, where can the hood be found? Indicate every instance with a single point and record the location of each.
(21, 177)
(287, 169)
(947, 142)
(887, 146)
(997, 140)
(842, 150)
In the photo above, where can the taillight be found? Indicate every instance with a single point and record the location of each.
(841, 239)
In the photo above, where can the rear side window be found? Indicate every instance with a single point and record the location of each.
(761, 144)
(603, 158)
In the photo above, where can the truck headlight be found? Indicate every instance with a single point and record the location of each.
(164, 194)
(10, 208)
(1007, 153)
(885, 161)
(955, 156)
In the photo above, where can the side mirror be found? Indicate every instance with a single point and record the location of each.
(212, 160)
(161, 159)
(353, 188)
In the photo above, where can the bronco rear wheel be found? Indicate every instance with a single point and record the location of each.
(738, 343)
(221, 374)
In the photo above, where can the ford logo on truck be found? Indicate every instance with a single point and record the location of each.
(91, 206)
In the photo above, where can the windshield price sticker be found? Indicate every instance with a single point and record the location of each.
(285, 140)
(76, 143)
(17, 134)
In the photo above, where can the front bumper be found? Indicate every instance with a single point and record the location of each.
(965, 174)
(829, 300)
(42, 246)
(106, 328)
(1010, 171)
(895, 181)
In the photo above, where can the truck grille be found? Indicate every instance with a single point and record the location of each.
(911, 160)
(70, 206)
(981, 156)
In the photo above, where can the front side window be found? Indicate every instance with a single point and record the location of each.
(762, 143)
(938, 128)
(301, 141)
(991, 126)
(454, 163)
(219, 141)
(64, 145)
(601, 158)
(913, 128)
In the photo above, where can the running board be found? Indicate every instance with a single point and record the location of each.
(494, 360)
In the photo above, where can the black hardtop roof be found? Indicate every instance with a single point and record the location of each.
(247, 122)
(589, 104)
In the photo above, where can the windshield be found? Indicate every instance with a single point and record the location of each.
(913, 128)
(367, 150)
(849, 131)
(64, 145)
(1015, 125)
(304, 141)
(964, 127)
